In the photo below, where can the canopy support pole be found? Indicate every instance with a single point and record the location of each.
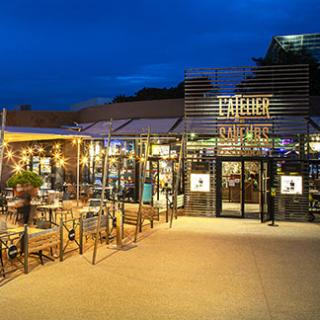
(104, 183)
(143, 179)
(3, 124)
(78, 170)
(177, 182)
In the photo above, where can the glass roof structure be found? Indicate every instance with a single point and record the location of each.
(295, 43)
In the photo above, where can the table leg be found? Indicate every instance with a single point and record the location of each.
(1, 260)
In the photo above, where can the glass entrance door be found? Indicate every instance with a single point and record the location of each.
(244, 190)
(252, 188)
(231, 189)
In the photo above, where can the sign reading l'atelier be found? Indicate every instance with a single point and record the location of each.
(237, 120)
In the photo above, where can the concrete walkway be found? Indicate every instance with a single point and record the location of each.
(203, 268)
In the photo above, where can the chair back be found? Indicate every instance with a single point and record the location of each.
(45, 239)
(67, 204)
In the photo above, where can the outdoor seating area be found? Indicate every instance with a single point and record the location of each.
(59, 228)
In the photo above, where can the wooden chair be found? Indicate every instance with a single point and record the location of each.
(150, 213)
(67, 204)
(36, 243)
(65, 214)
(89, 228)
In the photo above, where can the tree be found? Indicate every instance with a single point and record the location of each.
(290, 57)
(153, 94)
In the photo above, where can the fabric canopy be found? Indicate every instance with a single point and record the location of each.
(19, 134)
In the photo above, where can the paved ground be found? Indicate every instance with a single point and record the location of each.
(201, 269)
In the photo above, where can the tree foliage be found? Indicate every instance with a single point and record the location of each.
(23, 178)
(153, 94)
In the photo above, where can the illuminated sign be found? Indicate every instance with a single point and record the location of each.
(240, 106)
(244, 121)
(291, 185)
(160, 150)
(200, 182)
(315, 146)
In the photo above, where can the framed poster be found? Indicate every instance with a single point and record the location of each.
(160, 150)
(200, 182)
(291, 185)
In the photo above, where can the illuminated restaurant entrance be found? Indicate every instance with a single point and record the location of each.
(243, 189)
(251, 126)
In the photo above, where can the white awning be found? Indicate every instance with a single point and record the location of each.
(19, 134)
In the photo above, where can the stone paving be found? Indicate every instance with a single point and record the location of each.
(203, 268)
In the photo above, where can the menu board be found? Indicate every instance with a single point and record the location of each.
(291, 185)
(200, 182)
(160, 150)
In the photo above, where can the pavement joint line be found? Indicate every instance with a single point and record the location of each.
(258, 271)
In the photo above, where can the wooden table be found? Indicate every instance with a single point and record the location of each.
(50, 208)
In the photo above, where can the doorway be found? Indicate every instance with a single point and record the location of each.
(243, 188)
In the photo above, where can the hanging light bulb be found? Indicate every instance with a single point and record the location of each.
(56, 156)
(84, 160)
(62, 162)
(30, 150)
(24, 159)
(17, 168)
(57, 145)
(9, 154)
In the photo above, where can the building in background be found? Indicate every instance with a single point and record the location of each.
(294, 43)
(90, 103)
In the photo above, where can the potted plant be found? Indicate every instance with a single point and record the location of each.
(24, 179)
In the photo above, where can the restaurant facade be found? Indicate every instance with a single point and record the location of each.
(251, 145)
(248, 151)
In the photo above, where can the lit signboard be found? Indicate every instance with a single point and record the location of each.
(291, 185)
(244, 120)
(200, 182)
(160, 150)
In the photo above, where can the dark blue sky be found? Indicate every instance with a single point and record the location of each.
(55, 53)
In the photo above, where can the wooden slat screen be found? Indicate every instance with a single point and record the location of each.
(287, 91)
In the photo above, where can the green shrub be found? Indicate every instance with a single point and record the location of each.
(25, 177)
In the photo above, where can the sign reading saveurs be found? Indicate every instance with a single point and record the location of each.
(238, 120)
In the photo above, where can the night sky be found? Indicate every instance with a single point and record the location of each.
(56, 53)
